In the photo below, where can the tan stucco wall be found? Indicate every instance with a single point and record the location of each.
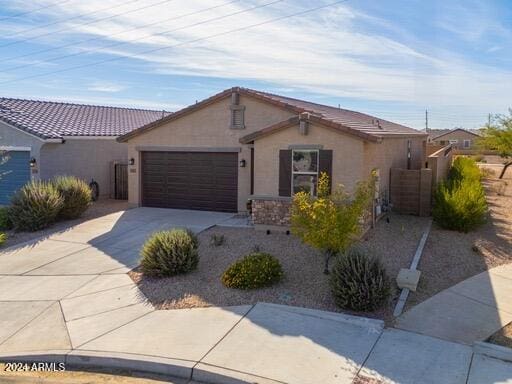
(460, 136)
(347, 167)
(83, 158)
(392, 153)
(12, 137)
(207, 128)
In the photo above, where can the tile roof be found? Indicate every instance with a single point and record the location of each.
(358, 121)
(436, 133)
(362, 125)
(53, 120)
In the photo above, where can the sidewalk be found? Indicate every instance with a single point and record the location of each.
(68, 299)
(467, 312)
(265, 343)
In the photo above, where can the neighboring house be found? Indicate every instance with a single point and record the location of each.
(459, 138)
(45, 139)
(244, 144)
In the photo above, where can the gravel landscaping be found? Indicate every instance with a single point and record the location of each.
(98, 208)
(451, 257)
(303, 285)
(503, 337)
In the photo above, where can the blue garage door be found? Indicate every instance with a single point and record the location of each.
(13, 174)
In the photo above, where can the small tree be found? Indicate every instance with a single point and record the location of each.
(498, 136)
(330, 222)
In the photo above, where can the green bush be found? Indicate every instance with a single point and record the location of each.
(461, 207)
(459, 203)
(76, 194)
(169, 253)
(464, 168)
(359, 282)
(35, 206)
(5, 220)
(253, 271)
(3, 238)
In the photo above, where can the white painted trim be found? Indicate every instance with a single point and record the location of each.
(12, 148)
(90, 137)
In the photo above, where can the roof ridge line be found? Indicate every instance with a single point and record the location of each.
(82, 104)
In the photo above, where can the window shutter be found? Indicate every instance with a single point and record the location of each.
(325, 164)
(285, 172)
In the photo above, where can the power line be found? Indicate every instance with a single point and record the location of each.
(145, 37)
(58, 22)
(240, 29)
(118, 33)
(34, 10)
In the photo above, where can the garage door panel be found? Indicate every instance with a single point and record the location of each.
(190, 180)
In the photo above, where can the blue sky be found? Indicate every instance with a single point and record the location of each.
(390, 58)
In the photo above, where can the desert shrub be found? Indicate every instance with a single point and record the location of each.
(359, 282)
(464, 168)
(76, 194)
(5, 220)
(253, 271)
(332, 221)
(217, 240)
(35, 206)
(461, 207)
(459, 203)
(169, 253)
(3, 238)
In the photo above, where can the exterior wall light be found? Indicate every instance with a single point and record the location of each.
(32, 162)
(242, 163)
(132, 161)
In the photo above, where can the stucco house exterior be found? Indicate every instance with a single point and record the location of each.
(459, 138)
(44, 139)
(244, 145)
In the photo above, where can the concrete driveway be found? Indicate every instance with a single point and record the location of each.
(60, 291)
(67, 298)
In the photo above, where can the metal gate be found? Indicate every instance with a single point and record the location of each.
(119, 181)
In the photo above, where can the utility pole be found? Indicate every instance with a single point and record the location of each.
(426, 120)
(489, 118)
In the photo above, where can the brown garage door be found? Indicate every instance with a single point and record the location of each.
(204, 181)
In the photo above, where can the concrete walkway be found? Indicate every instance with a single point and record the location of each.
(470, 311)
(68, 299)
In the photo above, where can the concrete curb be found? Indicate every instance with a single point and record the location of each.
(492, 350)
(206, 373)
(101, 360)
(142, 363)
(175, 367)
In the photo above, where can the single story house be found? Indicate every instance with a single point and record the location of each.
(243, 144)
(44, 139)
(459, 138)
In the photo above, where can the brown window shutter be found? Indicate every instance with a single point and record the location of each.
(325, 164)
(285, 172)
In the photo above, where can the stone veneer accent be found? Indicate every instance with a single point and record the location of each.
(271, 211)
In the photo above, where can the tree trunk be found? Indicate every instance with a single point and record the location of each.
(327, 257)
(504, 169)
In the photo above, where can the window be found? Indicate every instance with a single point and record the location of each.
(467, 143)
(305, 171)
(455, 141)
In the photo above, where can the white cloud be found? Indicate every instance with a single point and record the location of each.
(104, 86)
(326, 52)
